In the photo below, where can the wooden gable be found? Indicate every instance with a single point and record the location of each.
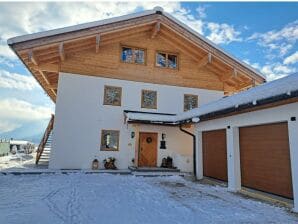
(96, 52)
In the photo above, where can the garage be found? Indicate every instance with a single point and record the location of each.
(265, 158)
(215, 154)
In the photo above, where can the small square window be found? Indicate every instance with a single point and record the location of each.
(112, 95)
(190, 102)
(109, 140)
(149, 99)
(165, 60)
(133, 55)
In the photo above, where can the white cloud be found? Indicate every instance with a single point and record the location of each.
(15, 113)
(201, 10)
(273, 70)
(23, 18)
(6, 126)
(280, 41)
(223, 33)
(6, 52)
(292, 59)
(7, 62)
(16, 81)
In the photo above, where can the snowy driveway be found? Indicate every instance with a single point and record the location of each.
(104, 198)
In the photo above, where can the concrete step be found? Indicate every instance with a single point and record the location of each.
(152, 169)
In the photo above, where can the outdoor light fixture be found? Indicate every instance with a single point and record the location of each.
(195, 119)
(132, 134)
(163, 136)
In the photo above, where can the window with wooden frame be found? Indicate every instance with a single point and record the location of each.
(133, 55)
(112, 95)
(109, 140)
(149, 99)
(190, 101)
(166, 60)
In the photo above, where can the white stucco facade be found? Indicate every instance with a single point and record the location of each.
(233, 123)
(80, 116)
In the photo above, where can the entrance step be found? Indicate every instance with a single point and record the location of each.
(153, 169)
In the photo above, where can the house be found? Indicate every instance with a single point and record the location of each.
(146, 62)
(4, 147)
(21, 146)
(145, 86)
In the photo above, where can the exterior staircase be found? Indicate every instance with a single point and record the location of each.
(44, 149)
(45, 156)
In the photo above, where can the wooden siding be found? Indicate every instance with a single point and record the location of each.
(215, 154)
(204, 67)
(265, 158)
(107, 64)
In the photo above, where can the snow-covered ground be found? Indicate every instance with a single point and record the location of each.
(17, 161)
(108, 198)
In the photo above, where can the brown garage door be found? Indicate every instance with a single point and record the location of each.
(215, 154)
(265, 158)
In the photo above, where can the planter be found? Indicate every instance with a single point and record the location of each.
(110, 166)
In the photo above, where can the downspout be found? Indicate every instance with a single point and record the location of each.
(194, 148)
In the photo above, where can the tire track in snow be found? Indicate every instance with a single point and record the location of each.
(53, 206)
(73, 207)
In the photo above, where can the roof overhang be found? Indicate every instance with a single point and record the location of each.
(44, 52)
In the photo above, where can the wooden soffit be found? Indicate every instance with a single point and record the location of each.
(44, 56)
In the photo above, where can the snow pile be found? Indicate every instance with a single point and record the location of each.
(105, 198)
(19, 161)
(284, 85)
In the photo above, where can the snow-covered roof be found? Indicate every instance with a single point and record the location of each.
(286, 85)
(18, 142)
(157, 9)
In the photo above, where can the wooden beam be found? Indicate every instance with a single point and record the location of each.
(53, 86)
(32, 58)
(46, 67)
(235, 73)
(44, 77)
(61, 52)
(180, 47)
(97, 43)
(253, 82)
(156, 29)
(205, 60)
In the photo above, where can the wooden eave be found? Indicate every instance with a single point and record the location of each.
(44, 56)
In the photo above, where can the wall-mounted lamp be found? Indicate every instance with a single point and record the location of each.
(132, 134)
(163, 136)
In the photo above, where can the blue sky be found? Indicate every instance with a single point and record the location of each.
(262, 34)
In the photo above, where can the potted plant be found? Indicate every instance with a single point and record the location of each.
(109, 163)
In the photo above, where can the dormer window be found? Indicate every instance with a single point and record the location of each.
(166, 60)
(133, 55)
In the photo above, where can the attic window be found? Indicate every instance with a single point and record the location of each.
(166, 60)
(190, 101)
(133, 55)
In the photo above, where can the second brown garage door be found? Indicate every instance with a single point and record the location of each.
(215, 154)
(265, 158)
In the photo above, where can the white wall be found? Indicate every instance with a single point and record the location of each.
(81, 115)
(266, 116)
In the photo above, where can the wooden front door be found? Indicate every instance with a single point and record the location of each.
(148, 149)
